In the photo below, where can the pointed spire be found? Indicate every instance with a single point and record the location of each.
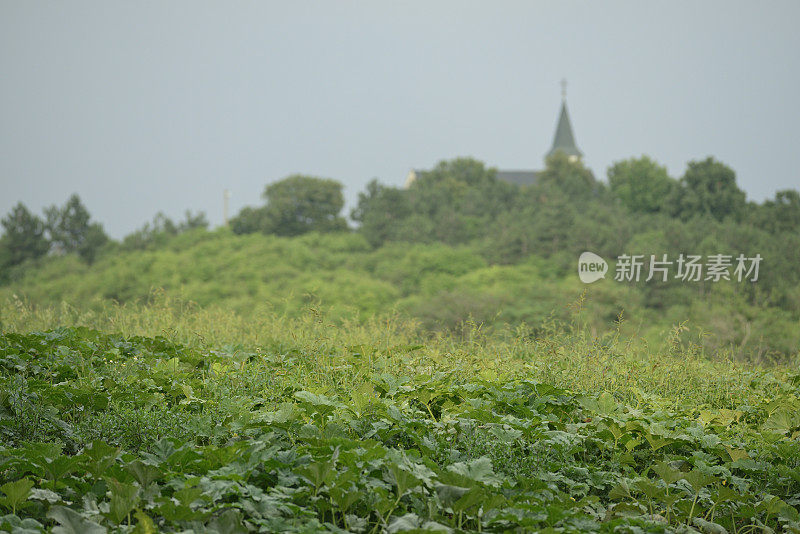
(564, 140)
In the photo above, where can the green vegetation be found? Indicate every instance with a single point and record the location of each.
(443, 288)
(27, 238)
(201, 419)
(295, 205)
(440, 368)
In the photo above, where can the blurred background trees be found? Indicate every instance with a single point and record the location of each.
(457, 244)
(295, 205)
(71, 231)
(65, 230)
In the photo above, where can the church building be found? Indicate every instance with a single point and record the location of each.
(563, 141)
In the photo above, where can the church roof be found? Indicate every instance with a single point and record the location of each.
(518, 177)
(564, 140)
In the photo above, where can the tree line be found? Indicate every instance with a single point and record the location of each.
(60, 230)
(640, 209)
(460, 200)
(69, 229)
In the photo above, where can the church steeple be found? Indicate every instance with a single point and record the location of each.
(564, 140)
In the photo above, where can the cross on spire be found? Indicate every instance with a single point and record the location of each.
(564, 140)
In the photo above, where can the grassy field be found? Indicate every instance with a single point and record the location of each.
(438, 287)
(166, 416)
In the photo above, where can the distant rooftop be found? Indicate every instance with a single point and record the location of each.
(563, 141)
(518, 177)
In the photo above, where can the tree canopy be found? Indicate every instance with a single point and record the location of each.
(641, 184)
(71, 231)
(295, 205)
(23, 238)
(708, 187)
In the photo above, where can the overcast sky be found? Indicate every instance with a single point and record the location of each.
(151, 106)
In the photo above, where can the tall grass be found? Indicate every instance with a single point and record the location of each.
(322, 354)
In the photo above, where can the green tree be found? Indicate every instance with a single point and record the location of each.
(566, 177)
(779, 215)
(192, 221)
(709, 187)
(641, 184)
(381, 212)
(156, 233)
(300, 204)
(251, 220)
(23, 238)
(460, 198)
(71, 231)
(463, 185)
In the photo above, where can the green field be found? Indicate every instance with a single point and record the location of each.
(439, 368)
(166, 416)
(438, 287)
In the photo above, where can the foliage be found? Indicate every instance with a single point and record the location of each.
(300, 204)
(70, 230)
(356, 430)
(295, 205)
(381, 212)
(454, 203)
(779, 215)
(641, 184)
(250, 220)
(162, 229)
(460, 247)
(566, 177)
(445, 287)
(709, 187)
(23, 238)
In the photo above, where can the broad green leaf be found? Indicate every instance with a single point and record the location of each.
(60, 467)
(318, 473)
(314, 399)
(404, 523)
(16, 493)
(284, 414)
(708, 527)
(345, 497)
(187, 496)
(479, 470)
(124, 498)
(100, 457)
(17, 525)
(71, 522)
(402, 479)
(606, 403)
(449, 494)
(666, 472)
(143, 473)
(472, 498)
(362, 396)
(616, 430)
(782, 421)
(620, 491)
(737, 454)
(698, 480)
(44, 495)
(505, 433)
(144, 525)
(648, 488)
(656, 442)
(229, 522)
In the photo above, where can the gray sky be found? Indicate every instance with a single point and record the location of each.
(153, 106)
